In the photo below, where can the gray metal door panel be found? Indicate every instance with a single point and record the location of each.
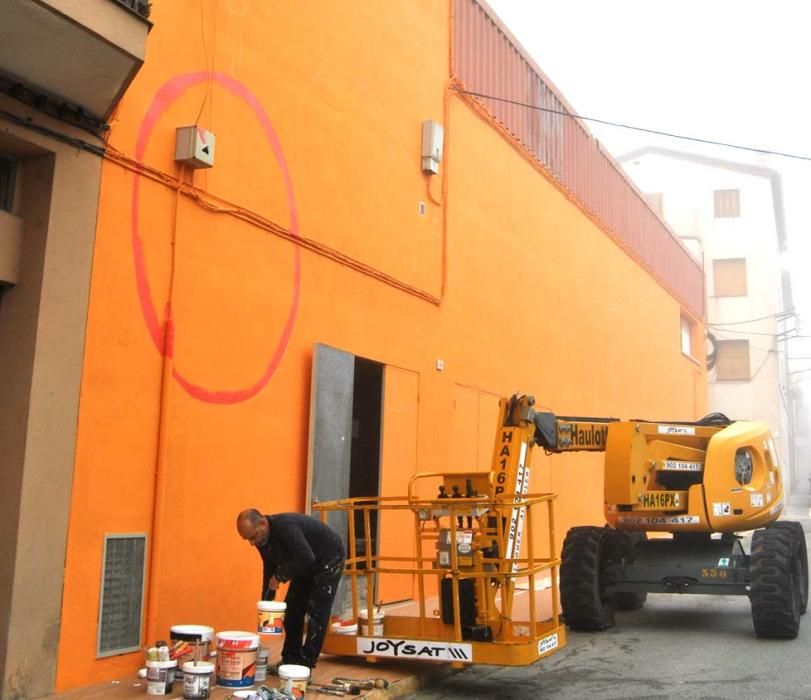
(331, 397)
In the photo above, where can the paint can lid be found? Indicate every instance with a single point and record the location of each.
(363, 614)
(200, 667)
(348, 627)
(271, 606)
(294, 672)
(236, 639)
(162, 664)
(191, 633)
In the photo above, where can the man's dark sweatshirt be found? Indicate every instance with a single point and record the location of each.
(297, 546)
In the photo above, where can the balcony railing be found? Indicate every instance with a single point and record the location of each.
(141, 7)
(72, 59)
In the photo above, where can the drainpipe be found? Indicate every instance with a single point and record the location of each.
(161, 465)
(162, 459)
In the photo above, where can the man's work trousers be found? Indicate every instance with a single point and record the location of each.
(311, 595)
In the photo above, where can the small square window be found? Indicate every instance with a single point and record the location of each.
(729, 277)
(686, 336)
(727, 204)
(733, 360)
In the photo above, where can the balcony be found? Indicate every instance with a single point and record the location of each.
(72, 58)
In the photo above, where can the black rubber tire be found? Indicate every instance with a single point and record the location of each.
(775, 586)
(803, 554)
(626, 542)
(587, 554)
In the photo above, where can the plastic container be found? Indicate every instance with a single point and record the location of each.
(270, 615)
(293, 679)
(197, 680)
(262, 656)
(236, 658)
(160, 676)
(347, 627)
(363, 623)
(197, 640)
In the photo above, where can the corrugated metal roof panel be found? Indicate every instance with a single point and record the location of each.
(490, 61)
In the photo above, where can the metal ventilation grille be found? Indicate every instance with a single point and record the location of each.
(122, 594)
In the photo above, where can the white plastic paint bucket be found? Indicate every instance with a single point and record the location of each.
(160, 675)
(346, 627)
(197, 680)
(262, 656)
(363, 623)
(270, 615)
(293, 679)
(236, 658)
(193, 642)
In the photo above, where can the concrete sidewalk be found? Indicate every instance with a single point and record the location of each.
(403, 678)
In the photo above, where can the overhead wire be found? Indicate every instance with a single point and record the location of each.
(779, 336)
(780, 315)
(645, 130)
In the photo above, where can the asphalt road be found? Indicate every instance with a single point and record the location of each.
(677, 647)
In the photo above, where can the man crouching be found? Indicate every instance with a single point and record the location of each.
(306, 552)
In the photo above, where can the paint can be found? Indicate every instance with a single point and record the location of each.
(262, 656)
(363, 623)
(197, 680)
(344, 627)
(190, 643)
(236, 658)
(293, 679)
(271, 616)
(160, 675)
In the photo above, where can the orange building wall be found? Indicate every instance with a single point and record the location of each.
(537, 299)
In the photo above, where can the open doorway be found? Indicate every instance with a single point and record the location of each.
(364, 461)
(363, 442)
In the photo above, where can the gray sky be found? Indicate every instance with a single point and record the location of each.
(724, 70)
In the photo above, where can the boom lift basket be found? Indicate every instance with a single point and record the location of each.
(478, 601)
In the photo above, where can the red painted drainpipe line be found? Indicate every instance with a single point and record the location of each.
(161, 460)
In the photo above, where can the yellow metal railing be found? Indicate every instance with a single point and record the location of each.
(494, 573)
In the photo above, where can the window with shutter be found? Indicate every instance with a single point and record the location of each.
(729, 277)
(733, 360)
(727, 204)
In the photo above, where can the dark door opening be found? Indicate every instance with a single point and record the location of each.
(364, 465)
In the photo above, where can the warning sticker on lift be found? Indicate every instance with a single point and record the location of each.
(756, 500)
(414, 649)
(674, 465)
(720, 509)
(660, 500)
(658, 519)
(676, 430)
(547, 643)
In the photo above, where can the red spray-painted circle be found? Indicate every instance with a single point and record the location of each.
(164, 97)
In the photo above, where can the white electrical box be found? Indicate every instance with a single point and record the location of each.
(432, 137)
(194, 147)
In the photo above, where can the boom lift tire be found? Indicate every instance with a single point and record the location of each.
(779, 580)
(798, 528)
(589, 554)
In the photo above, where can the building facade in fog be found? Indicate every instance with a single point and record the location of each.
(731, 217)
(175, 341)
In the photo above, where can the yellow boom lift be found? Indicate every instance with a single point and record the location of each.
(478, 569)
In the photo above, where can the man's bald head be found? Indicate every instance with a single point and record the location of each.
(253, 527)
